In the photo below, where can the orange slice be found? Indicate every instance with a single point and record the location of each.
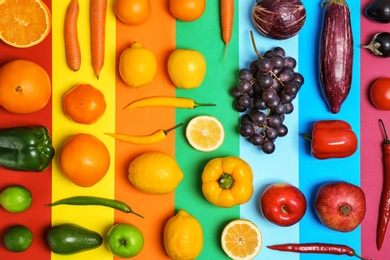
(205, 133)
(241, 239)
(24, 23)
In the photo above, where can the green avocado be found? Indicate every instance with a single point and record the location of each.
(68, 239)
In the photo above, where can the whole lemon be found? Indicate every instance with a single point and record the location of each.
(137, 65)
(183, 236)
(187, 68)
(155, 173)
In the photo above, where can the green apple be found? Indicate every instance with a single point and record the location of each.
(124, 240)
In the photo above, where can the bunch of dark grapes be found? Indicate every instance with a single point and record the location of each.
(264, 94)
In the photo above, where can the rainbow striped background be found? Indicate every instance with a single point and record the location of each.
(291, 161)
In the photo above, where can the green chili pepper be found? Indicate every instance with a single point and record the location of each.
(26, 148)
(88, 201)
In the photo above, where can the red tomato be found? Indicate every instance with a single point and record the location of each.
(380, 93)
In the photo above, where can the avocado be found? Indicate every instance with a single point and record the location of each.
(69, 238)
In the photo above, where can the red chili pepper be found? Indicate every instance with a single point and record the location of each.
(384, 210)
(332, 139)
(319, 248)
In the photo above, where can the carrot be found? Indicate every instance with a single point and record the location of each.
(72, 46)
(227, 16)
(98, 29)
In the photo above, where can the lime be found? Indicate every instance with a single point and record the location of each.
(15, 199)
(17, 238)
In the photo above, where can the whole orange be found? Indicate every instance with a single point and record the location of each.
(84, 104)
(84, 159)
(187, 10)
(133, 12)
(25, 87)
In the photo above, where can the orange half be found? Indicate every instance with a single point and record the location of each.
(24, 23)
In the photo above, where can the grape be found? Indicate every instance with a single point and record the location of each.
(247, 130)
(244, 86)
(245, 74)
(268, 147)
(264, 95)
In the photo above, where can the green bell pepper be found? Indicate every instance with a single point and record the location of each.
(26, 148)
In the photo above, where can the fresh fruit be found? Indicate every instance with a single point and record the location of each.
(264, 96)
(340, 205)
(155, 173)
(24, 27)
(84, 104)
(25, 86)
(183, 236)
(187, 10)
(241, 239)
(67, 238)
(17, 238)
(283, 204)
(84, 159)
(380, 93)
(133, 12)
(137, 65)
(186, 68)
(125, 240)
(15, 199)
(205, 133)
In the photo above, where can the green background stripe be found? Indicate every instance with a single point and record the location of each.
(204, 35)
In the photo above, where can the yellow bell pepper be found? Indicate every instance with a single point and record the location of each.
(227, 182)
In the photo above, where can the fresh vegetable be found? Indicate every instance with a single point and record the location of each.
(26, 148)
(380, 93)
(67, 238)
(318, 248)
(336, 53)
(145, 139)
(278, 19)
(165, 101)
(227, 181)
(98, 30)
(72, 46)
(227, 17)
(87, 200)
(380, 44)
(332, 139)
(379, 11)
(384, 210)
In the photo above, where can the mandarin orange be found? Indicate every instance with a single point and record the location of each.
(25, 87)
(24, 23)
(187, 10)
(133, 12)
(84, 159)
(84, 104)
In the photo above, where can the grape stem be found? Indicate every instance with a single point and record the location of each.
(261, 57)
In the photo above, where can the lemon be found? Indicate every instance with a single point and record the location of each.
(205, 133)
(186, 68)
(137, 65)
(241, 239)
(15, 199)
(183, 236)
(17, 238)
(155, 173)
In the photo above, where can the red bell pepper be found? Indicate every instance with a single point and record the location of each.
(333, 139)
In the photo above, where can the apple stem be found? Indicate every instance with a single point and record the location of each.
(345, 210)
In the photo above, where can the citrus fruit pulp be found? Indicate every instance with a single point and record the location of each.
(24, 23)
(241, 239)
(205, 133)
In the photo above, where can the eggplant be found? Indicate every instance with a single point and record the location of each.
(379, 11)
(380, 44)
(336, 53)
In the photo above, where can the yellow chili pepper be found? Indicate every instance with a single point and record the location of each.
(144, 139)
(227, 182)
(165, 101)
